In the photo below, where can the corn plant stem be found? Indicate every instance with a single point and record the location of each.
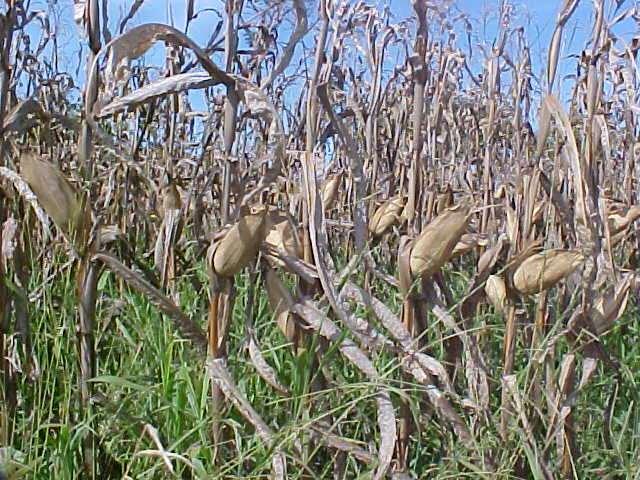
(9, 398)
(216, 393)
(507, 366)
(539, 330)
(230, 105)
(420, 79)
(87, 275)
(220, 311)
(91, 92)
(10, 395)
(406, 423)
(87, 283)
(311, 129)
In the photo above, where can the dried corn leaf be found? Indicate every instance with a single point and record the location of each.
(262, 367)
(185, 325)
(346, 445)
(323, 325)
(469, 242)
(387, 426)
(608, 308)
(25, 192)
(158, 89)
(219, 374)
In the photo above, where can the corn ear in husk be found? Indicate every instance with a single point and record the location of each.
(386, 216)
(66, 207)
(239, 245)
(543, 270)
(434, 246)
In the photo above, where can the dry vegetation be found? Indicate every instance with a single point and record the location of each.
(358, 261)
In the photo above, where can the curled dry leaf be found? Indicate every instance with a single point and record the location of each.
(9, 230)
(160, 88)
(278, 466)
(294, 265)
(543, 270)
(323, 325)
(262, 367)
(384, 315)
(220, 375)
(190, 329)
(490, 257)
(387, 426)
(343, 444)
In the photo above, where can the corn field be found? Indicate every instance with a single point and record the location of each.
(328, 243)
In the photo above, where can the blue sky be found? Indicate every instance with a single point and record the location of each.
(537, 16)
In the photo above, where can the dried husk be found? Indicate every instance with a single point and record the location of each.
(543, 270)
(512, 225)
(618, 222)
(330, 191)
(433, 248)
(58, 197)
(468, 242)
(170, 199)
(445, 200)
(283, 236)
(500, 193)
(240, 244)
(538, 212)
(489, 257)
(279, 305)
(608, 308)
(496, 291)
(386, 216)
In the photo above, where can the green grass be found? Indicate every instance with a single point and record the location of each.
(148, 375)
